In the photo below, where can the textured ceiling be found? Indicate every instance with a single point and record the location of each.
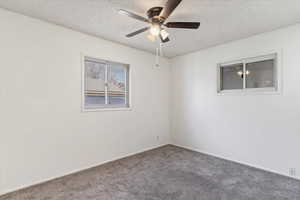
(221, 20)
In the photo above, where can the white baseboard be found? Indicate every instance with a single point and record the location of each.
(3, 192)
(237, 161)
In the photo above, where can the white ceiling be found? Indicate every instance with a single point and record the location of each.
(221, 20)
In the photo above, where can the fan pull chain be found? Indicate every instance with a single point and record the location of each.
(158, 54)
(157, 58)
(161, 49)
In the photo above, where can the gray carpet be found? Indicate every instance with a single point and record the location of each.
(167, 173)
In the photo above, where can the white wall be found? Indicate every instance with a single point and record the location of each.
(260, 130)
(43, 133)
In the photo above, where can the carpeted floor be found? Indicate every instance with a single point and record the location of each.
(166, 173)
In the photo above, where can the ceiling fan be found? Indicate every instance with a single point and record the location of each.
(157, 17)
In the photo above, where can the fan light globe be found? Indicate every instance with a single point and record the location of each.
(164, 34)
(155, 30)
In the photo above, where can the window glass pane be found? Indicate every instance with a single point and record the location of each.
(232, 77)
(117, 78)
(260, 74)
(94, 83)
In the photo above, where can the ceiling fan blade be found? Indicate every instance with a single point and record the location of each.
(137, 32)
(169, 8)
(188, 25)
(132, 15)
(164, 40)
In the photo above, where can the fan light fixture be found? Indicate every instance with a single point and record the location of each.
(155, 30)
(156, 21)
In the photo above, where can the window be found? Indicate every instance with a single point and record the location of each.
(246, 75)
(106, 84)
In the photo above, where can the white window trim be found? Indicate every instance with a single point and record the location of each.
(277, 90)
(104, 108)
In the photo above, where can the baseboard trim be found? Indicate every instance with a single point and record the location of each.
(237, 161)
(24, 187)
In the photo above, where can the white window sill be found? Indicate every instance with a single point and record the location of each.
(106, 109)
(257, 91)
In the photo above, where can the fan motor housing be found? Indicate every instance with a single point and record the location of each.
(153, 12)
